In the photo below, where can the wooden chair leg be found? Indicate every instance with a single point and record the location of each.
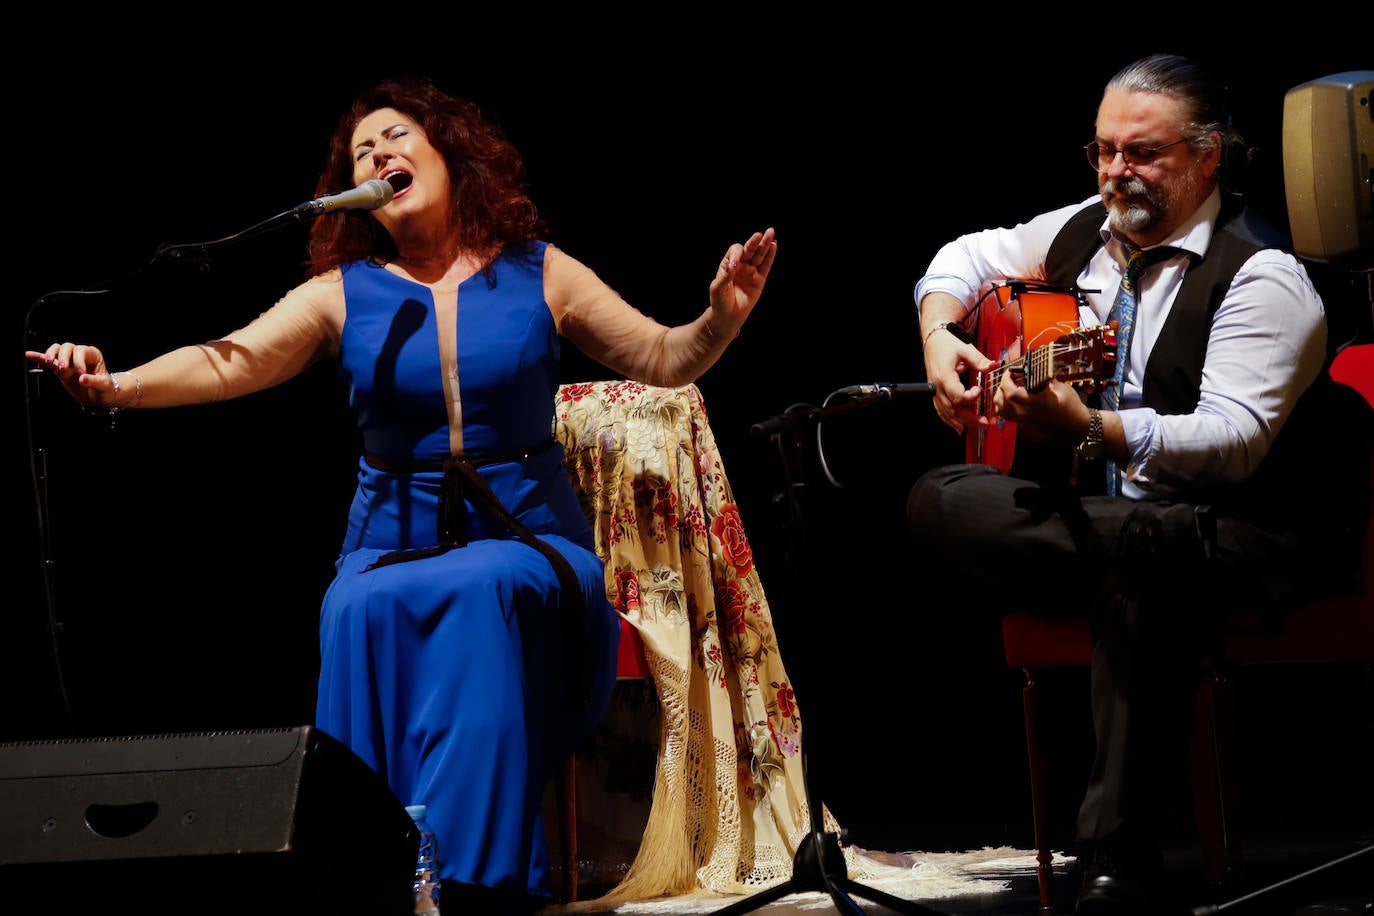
(1214, 787)
(1044, 870)
(566, 797)
(1206, 791)
(1229, 803)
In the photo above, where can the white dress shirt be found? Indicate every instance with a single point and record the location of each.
(1267, 342)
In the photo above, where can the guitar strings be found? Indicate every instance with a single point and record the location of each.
(1055, 349)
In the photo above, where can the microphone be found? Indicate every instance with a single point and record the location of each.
(889, 389)
(794, 416)
(369, 195)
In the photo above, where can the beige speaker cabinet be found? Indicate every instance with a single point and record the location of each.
(1328, 152)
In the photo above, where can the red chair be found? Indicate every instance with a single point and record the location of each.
(1337, 629)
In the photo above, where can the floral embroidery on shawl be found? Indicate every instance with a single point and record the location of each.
(729, 805)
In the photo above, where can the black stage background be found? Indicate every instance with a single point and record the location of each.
(190, 547)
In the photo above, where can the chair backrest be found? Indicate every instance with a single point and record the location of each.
(631, 452)
(1354, 366)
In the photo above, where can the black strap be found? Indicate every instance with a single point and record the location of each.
(453, 519)
(419, 465)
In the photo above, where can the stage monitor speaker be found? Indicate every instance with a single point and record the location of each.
(270, 821)
(1328, 158)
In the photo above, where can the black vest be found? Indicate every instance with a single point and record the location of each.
(1173, 375)
(1315, 477)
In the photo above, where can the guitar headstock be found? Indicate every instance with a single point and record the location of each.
(1084, 358)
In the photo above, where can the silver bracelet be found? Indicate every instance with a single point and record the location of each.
(952, 327)
(942, 326)
(138, 391)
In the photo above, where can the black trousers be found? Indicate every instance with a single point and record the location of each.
(1155, 579)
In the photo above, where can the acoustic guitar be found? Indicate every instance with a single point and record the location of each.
(1030, 330)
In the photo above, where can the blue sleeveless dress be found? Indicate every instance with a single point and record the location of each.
(447, 674)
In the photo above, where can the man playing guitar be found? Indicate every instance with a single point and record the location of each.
(1211, 449)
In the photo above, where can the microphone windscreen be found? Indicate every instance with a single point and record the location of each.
(381, 191)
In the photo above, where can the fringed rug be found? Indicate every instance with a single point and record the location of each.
(909, 875)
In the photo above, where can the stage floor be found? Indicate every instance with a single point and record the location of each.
(1281, 875)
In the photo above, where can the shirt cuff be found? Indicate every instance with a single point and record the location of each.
(1138, 427)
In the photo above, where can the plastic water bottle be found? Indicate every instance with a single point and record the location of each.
(426, 866)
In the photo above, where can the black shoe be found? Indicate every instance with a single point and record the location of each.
(1114, 885)
(1108, 895)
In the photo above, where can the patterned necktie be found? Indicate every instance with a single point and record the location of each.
(1123, 313)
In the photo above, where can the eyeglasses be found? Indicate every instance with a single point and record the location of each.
(1137, 155)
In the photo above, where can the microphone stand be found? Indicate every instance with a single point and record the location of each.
(196, 253)
(38, 478)
(818, 864)
(787, 433)
(1262, 895)
(197, 250)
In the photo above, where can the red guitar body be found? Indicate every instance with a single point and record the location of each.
(1031, 331)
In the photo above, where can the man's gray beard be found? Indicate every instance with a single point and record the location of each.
(1133, 215)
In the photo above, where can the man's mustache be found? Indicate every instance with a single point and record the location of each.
(1132, 186)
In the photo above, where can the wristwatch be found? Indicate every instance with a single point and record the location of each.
(1093, 446)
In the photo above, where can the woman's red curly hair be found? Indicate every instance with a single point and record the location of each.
(490, 203)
